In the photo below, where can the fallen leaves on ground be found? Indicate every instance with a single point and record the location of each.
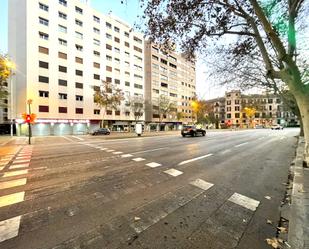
(136, 218)
(269, 222)
(267, 197)
(274, 242)
(282, 229)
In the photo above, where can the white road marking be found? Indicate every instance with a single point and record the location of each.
(242, 144)
(153, 165)
(244, 201)
(69, 139)
(173, 172)
(225, 151)
(144, 151)
(126, 155)
(13, 183)
(21, 161)
(9, 228)
(11, 199)
(117, 152)
(110, 150)
(78, 138)
(18, 166)
(201, 184)
(15, 173)
(104, 148)
(138, 159)
(23, 157)
(194, 159)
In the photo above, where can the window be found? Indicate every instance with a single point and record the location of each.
(43, 35)
(109, 69)
(96, 111)
(138, 49)
(163, 61)
(117, 70)
(79, 85)
(43, 7)
(108, 79)
(127, 74)
(78, 10)
(164, 85)
(79, 98)
(116, 39)
(228, 115)
(138, 68)
(96, 19)
(109, 58)
(127, 44)
(138, 86)
(117, 113)
(78, 35)
(270, 101)
(138, 58)
(117, 81)
(109, 112)
(79, 47)
(117, 50)
(62, 15)
(79, 60)
(108, 36)
(108, 25)
(63, 42)
(78, 22)
(109, 47)
(62, 55)
(43, 50)
(43, 64)
(63, 2)
(228, 102)
(96, 53)
(126, 34)
(270, 107)
(237, 108)
(79, 72)
(127, 54)
(172, 65)
(117, 61)
(163, 77)
(127, 83)
(237, 102)
(43, 79)
(116, 29)
(62, 109)
(96, 42)
(43, 21)
(79, 110)
(237, 115)
(127, 64)
(62, 82)
(155, 57)
(96, 77)
(138, 40)
(62, 69)
(97, 31)
(62, 29)
(96, 65)
(228, 109)
(44, 94)
(63, 96)
(43, 108)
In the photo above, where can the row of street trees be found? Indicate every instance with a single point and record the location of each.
(258, 46)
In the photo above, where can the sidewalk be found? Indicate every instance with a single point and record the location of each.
(298, 213)
(5, 139)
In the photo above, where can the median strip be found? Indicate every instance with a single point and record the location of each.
(194, 159)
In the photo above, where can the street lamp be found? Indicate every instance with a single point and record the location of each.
(11, 66)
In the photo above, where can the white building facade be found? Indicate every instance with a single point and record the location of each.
(62, 49)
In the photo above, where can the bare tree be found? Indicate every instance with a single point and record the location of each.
(107, 96)
(263, 34)
(137, 105)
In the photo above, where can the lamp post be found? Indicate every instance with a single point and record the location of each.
(11, 65)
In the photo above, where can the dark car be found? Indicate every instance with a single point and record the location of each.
(101, 131)
(192, 130)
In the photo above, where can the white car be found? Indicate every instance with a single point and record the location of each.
(277, 127)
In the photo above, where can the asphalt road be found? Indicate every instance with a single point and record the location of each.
(159, 192)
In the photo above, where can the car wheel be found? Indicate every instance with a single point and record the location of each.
(203, 133)
(183, 135)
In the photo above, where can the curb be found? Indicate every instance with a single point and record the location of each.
(298, 235)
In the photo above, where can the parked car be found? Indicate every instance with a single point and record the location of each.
(192, 130)
(101, 131)
(259, 127)
(276, 127)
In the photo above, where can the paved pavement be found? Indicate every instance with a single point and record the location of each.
(216, 191)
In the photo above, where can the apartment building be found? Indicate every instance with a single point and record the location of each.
(170, 75)
(270, 109)
(62, 49)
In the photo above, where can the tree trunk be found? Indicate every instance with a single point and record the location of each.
(303, 104)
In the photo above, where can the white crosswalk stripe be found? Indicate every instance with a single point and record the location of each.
(244, 201)
(173, 172)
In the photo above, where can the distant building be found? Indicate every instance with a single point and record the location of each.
(270, 109)
(170, 75)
